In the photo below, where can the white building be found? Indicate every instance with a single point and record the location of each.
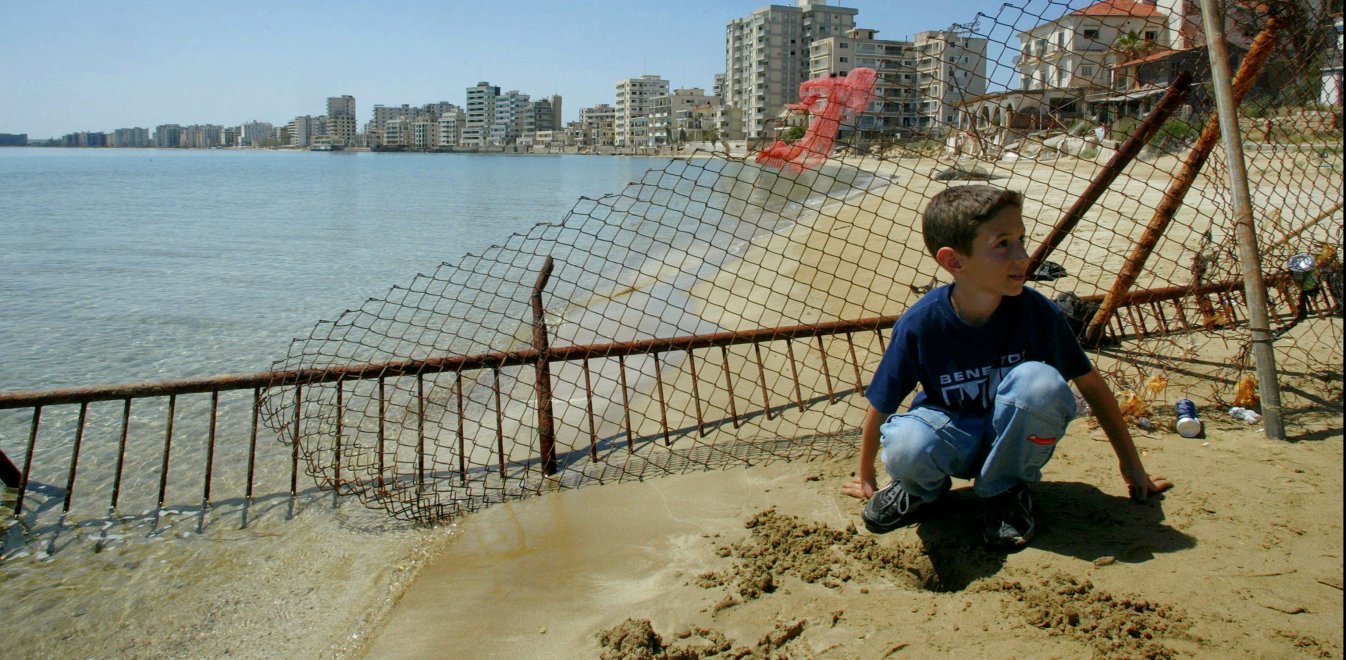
(305, 129)
(767, 55)
(672, 120)
(950, 67)
(451, 127)
(425, 133)
(1074, 54)
(512, 117)
(254, 133)
(480, 114)
(634, 100)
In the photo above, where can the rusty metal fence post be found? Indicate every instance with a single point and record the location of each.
(1182, 182)
(1259, 322)
(546, 425)
(1173, 97)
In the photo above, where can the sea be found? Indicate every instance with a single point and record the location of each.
(126, 265)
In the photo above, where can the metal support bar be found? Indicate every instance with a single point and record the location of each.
(1177, 190)
(1259, 324)
(546, 425)
(1176, 94)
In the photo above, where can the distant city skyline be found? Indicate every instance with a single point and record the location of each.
(82, 66)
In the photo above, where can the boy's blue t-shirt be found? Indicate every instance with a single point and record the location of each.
(959, 366)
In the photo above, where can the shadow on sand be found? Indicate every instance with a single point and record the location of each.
(1074, 519)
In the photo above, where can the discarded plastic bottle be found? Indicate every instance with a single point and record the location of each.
(1244, 414)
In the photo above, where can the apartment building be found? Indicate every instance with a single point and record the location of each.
(767, 56)
(375, 128)
(673, 118)
(512, 117)
(950, 68)
(424, 133)
(480, 114)
(341, 120)
(451, 124)
(254, 133)
(131, 137)
(167, 135)
(305, 129)
(546, 114)
(598, 126)
(84, 139)
(634, 101)
(396, 133)
(202, 136)
(895, 108)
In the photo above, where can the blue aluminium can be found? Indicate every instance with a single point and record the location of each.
(1188, 424)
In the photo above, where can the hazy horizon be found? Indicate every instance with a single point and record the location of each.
(84, 66)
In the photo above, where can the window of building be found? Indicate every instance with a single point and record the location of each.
(1090, 34)
(1086, 70)
(845, 45)
(1151, 35)
(845, 59)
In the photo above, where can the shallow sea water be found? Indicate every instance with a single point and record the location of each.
(131, 265)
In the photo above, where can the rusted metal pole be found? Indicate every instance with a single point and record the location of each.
(1182, 182)
(496, 360)
(1330, 212)
(1176, 94)
(9, 472)
(1259, 323)
(546, 424)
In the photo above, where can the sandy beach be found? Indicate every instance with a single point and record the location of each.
(1242, 557)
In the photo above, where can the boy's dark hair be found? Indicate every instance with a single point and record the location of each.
(953, 216)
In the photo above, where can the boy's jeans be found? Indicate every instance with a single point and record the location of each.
(926, 445)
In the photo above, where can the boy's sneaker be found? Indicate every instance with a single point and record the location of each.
(1009, 519)
(890, 508)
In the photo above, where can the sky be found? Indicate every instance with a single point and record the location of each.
(84, 65)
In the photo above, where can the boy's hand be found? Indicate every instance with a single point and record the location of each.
(1143, 485)
(859, 488)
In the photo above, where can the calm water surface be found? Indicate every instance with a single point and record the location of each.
(126, 265)
(130, 265)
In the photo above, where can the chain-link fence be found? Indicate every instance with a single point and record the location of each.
(721, 311)
(779, 272)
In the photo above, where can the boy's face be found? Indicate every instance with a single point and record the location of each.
(999, 261)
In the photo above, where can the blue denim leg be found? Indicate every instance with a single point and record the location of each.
(923, 447)
(1032, 408)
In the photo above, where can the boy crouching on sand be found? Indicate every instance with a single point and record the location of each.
(993, 359)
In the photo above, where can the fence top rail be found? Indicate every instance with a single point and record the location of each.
(501, 359)
(268, 379)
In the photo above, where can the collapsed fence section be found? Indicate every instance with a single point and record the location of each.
(476, 383)
(465, 447)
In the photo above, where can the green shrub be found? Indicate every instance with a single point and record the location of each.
(1178, 129)
(1124, 127)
